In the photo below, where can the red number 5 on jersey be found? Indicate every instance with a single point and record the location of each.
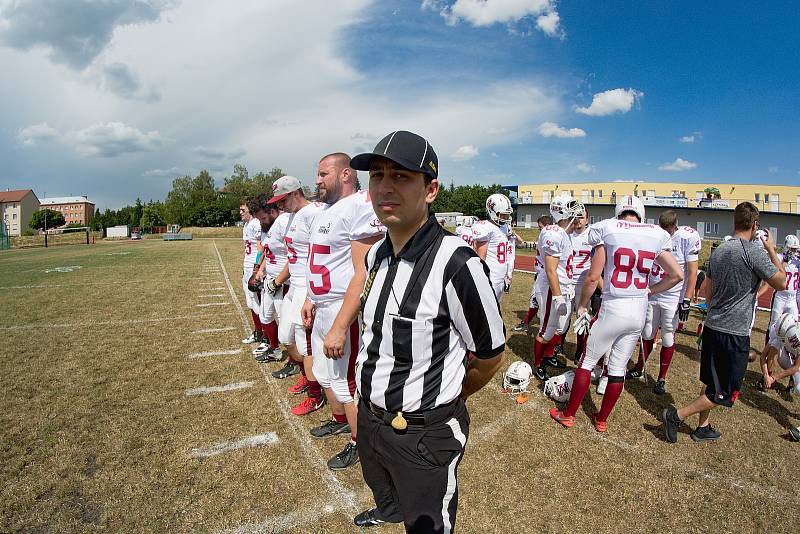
(315, 268)
(625, 261)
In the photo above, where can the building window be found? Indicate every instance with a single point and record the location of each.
(766, 198)
(592, 194)
(14, 217)
(712, 228)
(600, 193)
(758, 198)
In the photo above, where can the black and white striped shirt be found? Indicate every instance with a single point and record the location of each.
(423, 310)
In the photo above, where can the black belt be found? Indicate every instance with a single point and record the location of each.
(417, 418)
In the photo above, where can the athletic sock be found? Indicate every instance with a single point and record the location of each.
(529, 315)
(613, 390)
(271, 333)
(580, 385)
(538, 352)
(256, 321)
(352, 439)
(302, 369)
(644, 353)
(550, 347)
(580, 345)
(666, 359)
(340, 418)
(314, 389)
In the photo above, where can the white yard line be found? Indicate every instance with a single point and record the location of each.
(112, 323)
(214, 330)
(207, 390)
(259, 440)
(282, 523)
(344, 497)
(210, 295)
(207, 353)
(210, 304)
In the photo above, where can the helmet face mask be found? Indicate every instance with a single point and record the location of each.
(785, 325)
(791, 246)
(565, 207)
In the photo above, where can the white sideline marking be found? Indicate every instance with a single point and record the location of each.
(207, 390)
(112, 323)
(67, 269)
(210, 304)
(259, 440)
(346, 498)
(209, 295)
(281, 523)
(213, 330)
(215, 353)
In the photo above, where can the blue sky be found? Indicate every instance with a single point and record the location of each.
(512, 92)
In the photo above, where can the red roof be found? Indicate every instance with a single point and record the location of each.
(16, 195)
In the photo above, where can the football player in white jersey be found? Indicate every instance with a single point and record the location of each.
(251, 236)
(786, 301)
(511, 250)
(625, 251)
(340, 239)
(464, 231)
(288, 194)
(554, 285)
(581, 262)
(274, 225)
(667, 308)
(784, 349)
(533, 305)
(490, 240)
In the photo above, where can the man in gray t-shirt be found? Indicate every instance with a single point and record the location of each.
(736, 269)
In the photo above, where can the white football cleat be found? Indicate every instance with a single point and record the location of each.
(601, 385)
(251, 339)
(261, 349)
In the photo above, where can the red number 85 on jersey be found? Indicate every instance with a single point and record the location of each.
(626, 261)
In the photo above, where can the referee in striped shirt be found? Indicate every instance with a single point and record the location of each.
(427, 305)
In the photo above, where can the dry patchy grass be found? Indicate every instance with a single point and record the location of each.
(97, 430)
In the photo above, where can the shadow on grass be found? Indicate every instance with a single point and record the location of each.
(765, 401)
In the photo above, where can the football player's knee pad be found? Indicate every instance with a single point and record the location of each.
(341, 390)
(667, 338)
(617, 366)
(285, 333)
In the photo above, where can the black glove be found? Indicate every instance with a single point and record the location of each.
(683, 310)
(255, 285)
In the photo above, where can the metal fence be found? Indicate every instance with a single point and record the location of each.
(5, 239)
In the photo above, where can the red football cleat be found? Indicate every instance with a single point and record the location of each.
(559, 417)
(600, 426)
(309, 405)
(298, 387)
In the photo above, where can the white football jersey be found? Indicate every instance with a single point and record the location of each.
(297, 238)
(631, 250)
(330, 260)
(251, 235)
(582, 256)
(685, 247)
(274, 247)
(496, 238)
(792, 280)
(555, 241)
(465, 233)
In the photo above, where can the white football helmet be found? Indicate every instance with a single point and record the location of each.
(727, 238)
(791, 342)
(559, 387)
(760, 236)
(517, 377)
(565, 207)
(630, 203)
(791, 245)
(784, 323)
(498, 205)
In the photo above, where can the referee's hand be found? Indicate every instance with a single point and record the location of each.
(333, 345)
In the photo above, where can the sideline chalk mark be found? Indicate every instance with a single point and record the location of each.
(213, 330)
(114, 323)
(207, 390)
(259, 440)
(210, 304)
(215, 353)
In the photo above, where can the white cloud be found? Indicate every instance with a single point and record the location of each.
(585, 167)
(464, 153)
(694, 136)
(611, 101)
(32, 135)
(112, 139)
(678, 165)
(481, 13)
(211, 153)
(172, 171)
(551, 129)
(773, 169)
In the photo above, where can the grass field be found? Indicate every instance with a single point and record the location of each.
(101, 343)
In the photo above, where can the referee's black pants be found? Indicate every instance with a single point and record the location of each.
(412, 474)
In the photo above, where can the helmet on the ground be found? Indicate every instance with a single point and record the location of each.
(565, 207)
(517, 377)
(630, 203)
(559, 387)
(783, 324)
(498, 208)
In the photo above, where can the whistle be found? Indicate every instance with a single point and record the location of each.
(399, 422)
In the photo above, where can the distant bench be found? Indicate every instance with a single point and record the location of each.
(177, 237)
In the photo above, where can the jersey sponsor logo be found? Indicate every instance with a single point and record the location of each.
(324, 229)
(627, 225)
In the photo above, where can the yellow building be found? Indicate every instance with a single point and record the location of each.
(16, 208)
(771, 198)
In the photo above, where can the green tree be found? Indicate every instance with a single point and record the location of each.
(46, 218)
(178, 203)
(136, 214)
(152, 215)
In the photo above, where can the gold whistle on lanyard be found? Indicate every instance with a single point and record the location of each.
(399, 422)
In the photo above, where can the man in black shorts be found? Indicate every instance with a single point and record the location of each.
(735, 270)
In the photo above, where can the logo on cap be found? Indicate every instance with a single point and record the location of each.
(274, 186)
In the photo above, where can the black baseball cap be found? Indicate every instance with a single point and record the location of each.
(407, 149)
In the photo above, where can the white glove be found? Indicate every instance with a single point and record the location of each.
(560, 305)
(271, 286)
(582, 324)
